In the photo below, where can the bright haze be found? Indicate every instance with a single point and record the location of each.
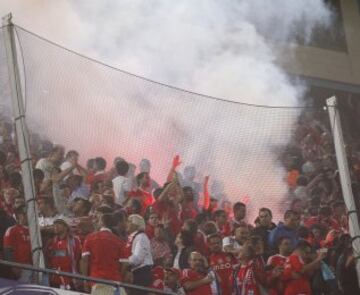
(217, 48)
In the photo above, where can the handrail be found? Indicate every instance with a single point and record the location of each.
(82, 277)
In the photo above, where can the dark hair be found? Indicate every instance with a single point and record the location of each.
(49, 201)
(15, 179)
(90, 163)
(71, 153)
(238, 205)
(21, 210)
(86, 204)
(140, 176)
(210, 228)
(289, 213)
(122, 167)
(212, 236)
(191, 223)
(218, 213)
(186, 238)
(266, 210)
(100, 163)
(302, 245)
(119, 216)
(280, 240)
(325, 211)
(202, 217)
(107, 220)
(38, 174)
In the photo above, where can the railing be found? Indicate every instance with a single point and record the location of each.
(115, 284)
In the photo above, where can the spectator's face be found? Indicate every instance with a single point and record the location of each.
(215, 244)
(78, 206)
(178, 241)
(265, 218)
(221, 219)
(188, 194)
(306, 255)
(285, 246)
(42, 206)
(197, 262)
(57, 156)
(154, 220)
(59, 228)
(19, 202)
(22, 219)
(292, 221)
(241, 234)
(240, 213)
(145, 181)
(170, 279)
(9, 196)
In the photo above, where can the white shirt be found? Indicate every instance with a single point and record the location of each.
(121, 185)
(45, 166)
(48, 221)
(67, 165)
(140, 251)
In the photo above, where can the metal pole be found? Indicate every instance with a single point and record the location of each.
(85, 278)
(23, 141)
(345, 179)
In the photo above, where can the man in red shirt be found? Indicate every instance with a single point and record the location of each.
(63, 253)
(324, 218)
(101, 252)
(275, 266)
(196, 280)
(239, 210)
(223, 225)
(298, 267)
(17, 245)
(188, 205)
(141, 194)
(220, 262)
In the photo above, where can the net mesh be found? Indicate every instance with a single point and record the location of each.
(102, 111)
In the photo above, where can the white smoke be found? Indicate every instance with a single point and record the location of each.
(218, 48)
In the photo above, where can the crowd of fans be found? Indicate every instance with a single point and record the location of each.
(118, 223)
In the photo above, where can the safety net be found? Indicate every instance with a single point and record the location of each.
(99, 110)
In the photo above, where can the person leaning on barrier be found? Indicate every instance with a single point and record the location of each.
(17, 247)
(138, 249)
(101, 253)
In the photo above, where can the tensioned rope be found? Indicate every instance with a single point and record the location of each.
(160, 83)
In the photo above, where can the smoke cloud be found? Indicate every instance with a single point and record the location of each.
(218, 48)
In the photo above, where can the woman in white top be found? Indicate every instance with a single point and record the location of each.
(140, 259)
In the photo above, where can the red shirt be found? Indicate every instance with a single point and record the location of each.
(158, 278)
(294, 264)
(144, 197)
(188, 211)
(276, 285)
(105, 250)
(331, 223)
(163, 208)
(244, 281)
(63, 255)
(222, 263)
(17, 238)
(189, 275)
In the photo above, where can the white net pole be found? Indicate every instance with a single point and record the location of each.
(345, 178)
(23, 142)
